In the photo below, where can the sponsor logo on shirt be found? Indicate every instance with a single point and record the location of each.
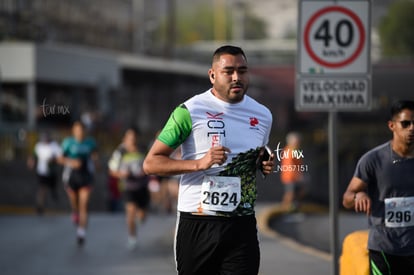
(253, 121)
(216, 128)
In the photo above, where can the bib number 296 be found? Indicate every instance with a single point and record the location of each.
(399, 211)
(398, 216)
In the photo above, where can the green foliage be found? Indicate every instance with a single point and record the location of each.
(244, 166)
(199, 24)
(255, 28)
(396, 29)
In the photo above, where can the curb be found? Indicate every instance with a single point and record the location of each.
(272, 211)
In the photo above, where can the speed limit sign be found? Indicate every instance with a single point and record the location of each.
(334, 37)
(333, 68)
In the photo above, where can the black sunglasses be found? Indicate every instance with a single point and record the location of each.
(406, 123)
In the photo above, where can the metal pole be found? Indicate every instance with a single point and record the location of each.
(333, 190)
(31, 104)
(219, 20)
(238, 12)
(169, 47)
(1, 101)
(138, 29)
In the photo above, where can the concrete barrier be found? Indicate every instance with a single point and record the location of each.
(354, 259)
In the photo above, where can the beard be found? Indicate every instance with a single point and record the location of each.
(231, 93)
(237, 96)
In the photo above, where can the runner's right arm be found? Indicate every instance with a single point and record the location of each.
(356, 197)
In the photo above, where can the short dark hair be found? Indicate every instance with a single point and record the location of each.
(133, 128)
(400, 105)
(228, 49)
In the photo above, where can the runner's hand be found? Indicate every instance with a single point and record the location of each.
(268, 165)
(215, 155)
(362, 203)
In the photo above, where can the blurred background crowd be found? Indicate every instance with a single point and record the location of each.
(113, 63)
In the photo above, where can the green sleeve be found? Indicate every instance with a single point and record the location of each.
(177, 128)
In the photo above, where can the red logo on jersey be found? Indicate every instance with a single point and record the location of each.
(253, 121)
(215, 116)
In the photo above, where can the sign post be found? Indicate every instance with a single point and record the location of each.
(333, 191)
(333, 70)
(333, 73)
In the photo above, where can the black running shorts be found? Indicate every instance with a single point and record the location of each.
(79, 179)
(381, 263)
(141, 197)
(48, 181)
(213, 245)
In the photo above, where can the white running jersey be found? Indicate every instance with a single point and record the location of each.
(46, 153)
(204, 121)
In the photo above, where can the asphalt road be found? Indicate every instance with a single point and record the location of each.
(47, 245)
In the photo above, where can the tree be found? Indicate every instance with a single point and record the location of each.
(396, 29)
(199, 25)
